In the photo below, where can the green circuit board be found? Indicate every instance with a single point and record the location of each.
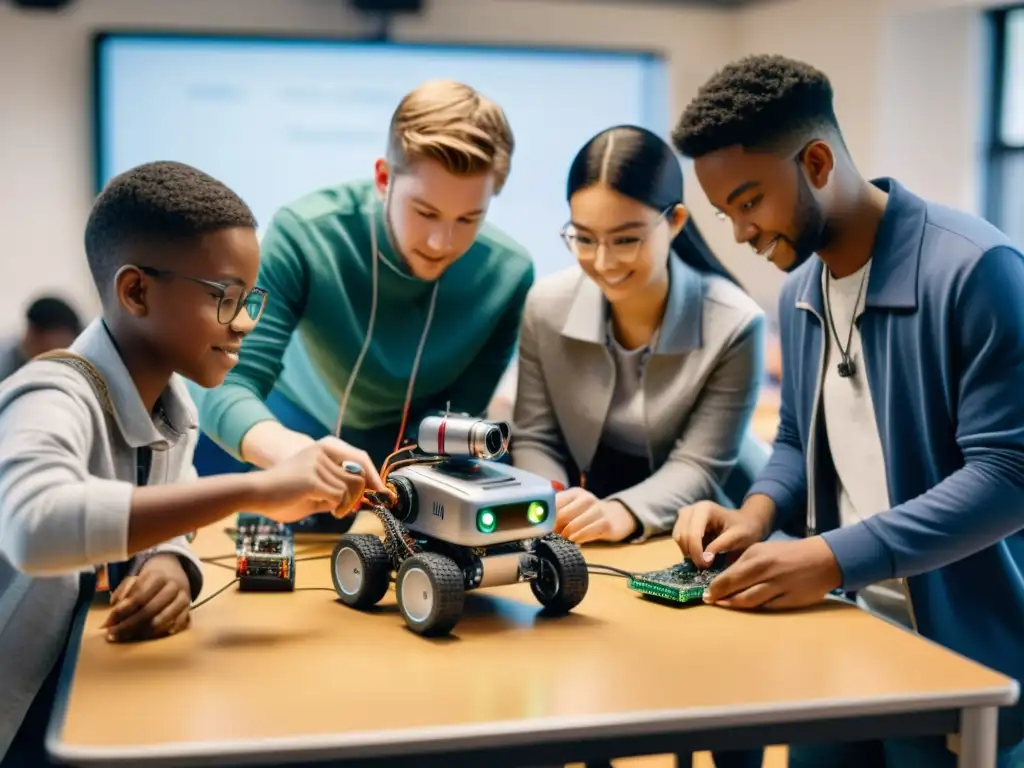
(680, 583)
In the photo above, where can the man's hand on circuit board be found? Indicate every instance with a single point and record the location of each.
(777, 575)
(705, 530)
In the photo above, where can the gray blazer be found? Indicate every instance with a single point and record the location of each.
(701, 384)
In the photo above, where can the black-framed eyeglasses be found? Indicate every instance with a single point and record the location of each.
(231, 299)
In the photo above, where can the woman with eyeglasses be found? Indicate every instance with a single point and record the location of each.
(639, 370)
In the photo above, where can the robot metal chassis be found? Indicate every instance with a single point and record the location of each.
(460, 525)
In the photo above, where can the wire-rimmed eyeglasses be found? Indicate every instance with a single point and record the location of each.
(622, 247)
(231, 299)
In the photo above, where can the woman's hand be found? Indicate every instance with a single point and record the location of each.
(583, 517)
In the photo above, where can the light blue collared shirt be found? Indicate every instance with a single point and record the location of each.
(67, 473)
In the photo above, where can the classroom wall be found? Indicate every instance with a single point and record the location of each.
(45, 150)
(909, 79)
(909, 75)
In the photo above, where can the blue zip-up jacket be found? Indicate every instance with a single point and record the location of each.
(943, 344)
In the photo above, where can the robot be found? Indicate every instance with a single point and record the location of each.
(265, 558)
(457, 519)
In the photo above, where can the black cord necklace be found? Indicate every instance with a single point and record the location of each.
(846, 366)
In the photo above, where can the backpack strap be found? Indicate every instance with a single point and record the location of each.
(111, 574)
(88, 372)
(97, 581)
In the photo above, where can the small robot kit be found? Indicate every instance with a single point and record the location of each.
(456, 519)
(681, 583)
(265, 558)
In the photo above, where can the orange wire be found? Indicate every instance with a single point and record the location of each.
(387, 466)
(407, 462)
(391, 456)
(401, 429)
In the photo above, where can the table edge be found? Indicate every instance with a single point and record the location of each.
(498, 733)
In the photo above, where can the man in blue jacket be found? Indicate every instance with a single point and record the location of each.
(899, 460)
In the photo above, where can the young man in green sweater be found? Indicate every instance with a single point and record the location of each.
(391, 297)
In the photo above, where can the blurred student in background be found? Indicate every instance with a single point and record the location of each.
(639, 370)
(392, 297)
(50, 323)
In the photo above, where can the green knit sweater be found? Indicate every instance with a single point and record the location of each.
(317, 267)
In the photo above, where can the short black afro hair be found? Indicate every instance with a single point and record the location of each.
(762, 102)
(159, 202)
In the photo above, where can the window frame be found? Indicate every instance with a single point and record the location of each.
(998, 151)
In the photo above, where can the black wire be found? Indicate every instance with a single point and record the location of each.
(219, 564)
(224, 589)
(598, 569)
(208, 598)
(605, 573)
(215, 560)
(844, 353)
(608, 570)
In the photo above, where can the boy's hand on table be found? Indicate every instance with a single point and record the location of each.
(155, 603)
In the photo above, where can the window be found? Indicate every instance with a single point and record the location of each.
(1005, 189)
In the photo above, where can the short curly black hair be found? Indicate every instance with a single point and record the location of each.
(762, 102)
(158, 202)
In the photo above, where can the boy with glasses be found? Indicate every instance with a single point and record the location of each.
(96, 442)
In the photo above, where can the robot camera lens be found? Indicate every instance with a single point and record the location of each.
(493, 441)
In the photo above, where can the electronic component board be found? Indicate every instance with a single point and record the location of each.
(680, 583)
(265, 558)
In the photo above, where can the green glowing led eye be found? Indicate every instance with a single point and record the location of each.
(486, 521)
(537, 512)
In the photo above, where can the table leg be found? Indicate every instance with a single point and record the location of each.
(978, 731)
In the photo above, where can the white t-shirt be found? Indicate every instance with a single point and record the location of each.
(852, 430)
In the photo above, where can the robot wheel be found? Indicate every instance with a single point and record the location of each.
(564, 579)
(360, 569)
(431, 591)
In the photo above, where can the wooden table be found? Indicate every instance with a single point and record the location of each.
(271, 678)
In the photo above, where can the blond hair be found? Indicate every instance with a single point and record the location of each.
(451, 123)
